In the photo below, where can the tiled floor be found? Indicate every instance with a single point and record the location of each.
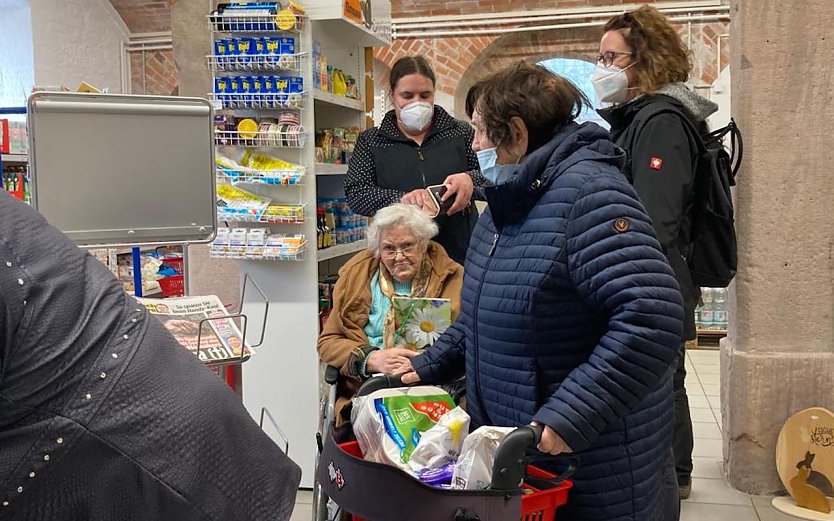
(712, 499)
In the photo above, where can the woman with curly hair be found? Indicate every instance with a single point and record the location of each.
(641, 70)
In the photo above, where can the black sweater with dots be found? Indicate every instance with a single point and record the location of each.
(386, 165)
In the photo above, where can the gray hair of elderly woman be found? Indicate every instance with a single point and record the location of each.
(421, 225)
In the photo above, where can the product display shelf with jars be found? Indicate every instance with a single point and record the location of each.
(284, 118)
(259, 96)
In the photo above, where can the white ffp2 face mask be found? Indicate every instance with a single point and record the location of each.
(416, 117)
(610, 83)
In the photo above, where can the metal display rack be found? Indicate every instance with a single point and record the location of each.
(291, 287)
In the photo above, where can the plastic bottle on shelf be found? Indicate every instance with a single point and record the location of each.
(708, 309)
(720, 313)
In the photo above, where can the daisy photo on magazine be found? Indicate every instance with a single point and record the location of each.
(419, 322)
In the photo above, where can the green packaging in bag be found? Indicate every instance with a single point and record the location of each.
(407, 417)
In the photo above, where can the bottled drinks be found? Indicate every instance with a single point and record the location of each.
(720, 310)
(707, 309)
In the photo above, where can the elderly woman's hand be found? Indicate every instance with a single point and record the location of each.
(552, 443)
(459, 186)
(389, 361)
(422, 199)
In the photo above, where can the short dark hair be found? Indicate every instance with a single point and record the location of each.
(472, 98)
(411, 65)
(545, 101)
(660, 56)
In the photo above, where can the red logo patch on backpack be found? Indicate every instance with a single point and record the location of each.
(656, 163)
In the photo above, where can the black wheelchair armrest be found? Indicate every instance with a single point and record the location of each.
(331, 374)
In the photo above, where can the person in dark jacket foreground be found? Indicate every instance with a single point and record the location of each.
(570, 316)
(642, 65)
(103, 415)
(417, 145)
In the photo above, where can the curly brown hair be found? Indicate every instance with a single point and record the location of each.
(660, 57)
(546, 102)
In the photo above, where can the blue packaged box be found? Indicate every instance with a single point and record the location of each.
(220, 53)
(243, 48)
(233, 90)
(221, 89)
(296, 85)
(282, 90)
(268, 91)
(245, 86)
(256, 88)
(286, 45)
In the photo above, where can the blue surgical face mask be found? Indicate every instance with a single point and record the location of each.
(496, 174)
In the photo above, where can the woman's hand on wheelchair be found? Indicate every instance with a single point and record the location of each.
(390, 361)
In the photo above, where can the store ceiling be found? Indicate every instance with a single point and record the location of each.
(144, 16)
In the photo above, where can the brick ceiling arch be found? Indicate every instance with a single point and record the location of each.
(145, 16)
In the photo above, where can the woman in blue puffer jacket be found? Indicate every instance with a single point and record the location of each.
(570, 317)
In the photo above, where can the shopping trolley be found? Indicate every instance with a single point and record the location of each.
(377, 492)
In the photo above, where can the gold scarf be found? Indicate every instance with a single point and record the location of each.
(419, 286)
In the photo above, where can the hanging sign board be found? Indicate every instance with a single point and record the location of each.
(353, 11)
(112, 169)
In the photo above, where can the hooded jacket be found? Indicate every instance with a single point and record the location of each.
(662, 164)
(385, 165)
(571, 316)
(103, 415)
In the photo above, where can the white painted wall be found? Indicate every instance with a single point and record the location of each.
(16, 61)
(721, 95)
(77, 41)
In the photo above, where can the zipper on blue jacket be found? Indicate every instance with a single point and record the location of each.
(475, 328)
(494, 243)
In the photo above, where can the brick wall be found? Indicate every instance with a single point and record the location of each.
(151, 72)
(460, 61)
(154, 72)
(144, 16)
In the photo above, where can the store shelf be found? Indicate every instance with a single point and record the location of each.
(15, 158)
(342, 249)
(265, 177)
(260, 62)
(284, 253)
(328, 18)
(291, 139)
(330, 169)
(712, 332)
(254, 24)
(258, 101)
(338, 101)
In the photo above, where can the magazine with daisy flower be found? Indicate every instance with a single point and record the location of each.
(419, 322)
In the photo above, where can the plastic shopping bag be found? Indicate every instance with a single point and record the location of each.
(404, 427)
(474, 468)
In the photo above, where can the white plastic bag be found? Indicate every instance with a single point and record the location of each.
(474, 468)
(442, 443)
(390, 424)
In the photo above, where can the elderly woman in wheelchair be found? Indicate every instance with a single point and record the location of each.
(358, 338)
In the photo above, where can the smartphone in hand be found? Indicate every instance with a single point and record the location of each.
(436, 192)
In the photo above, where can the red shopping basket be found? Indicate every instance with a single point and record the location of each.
(536, 505)
(172, 286)
(174, 262)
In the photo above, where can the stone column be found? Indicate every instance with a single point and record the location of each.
(192, 42)
(779, 356)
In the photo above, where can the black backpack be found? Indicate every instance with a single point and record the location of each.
(712, 252)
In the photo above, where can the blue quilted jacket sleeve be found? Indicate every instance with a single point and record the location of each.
(616, 265)
(445, 361)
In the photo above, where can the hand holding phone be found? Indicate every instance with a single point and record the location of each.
(436, 192)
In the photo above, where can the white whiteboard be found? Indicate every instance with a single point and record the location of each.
(111, 169)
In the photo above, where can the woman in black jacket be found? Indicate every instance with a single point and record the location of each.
(417, 145)
(103, 415)
(640, 75)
